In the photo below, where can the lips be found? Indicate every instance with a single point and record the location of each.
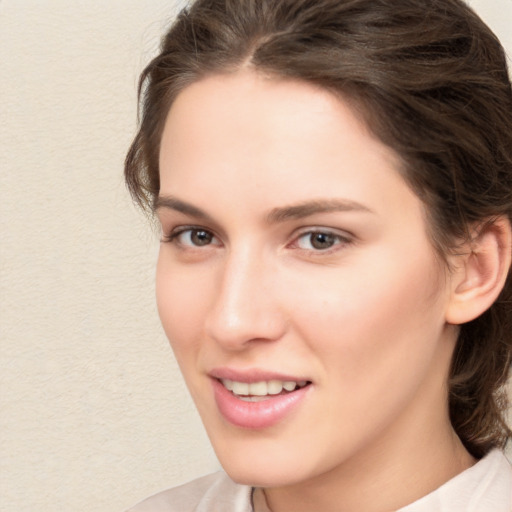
(261, 389)
(255, 399)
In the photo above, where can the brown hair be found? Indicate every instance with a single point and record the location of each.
(429, 78)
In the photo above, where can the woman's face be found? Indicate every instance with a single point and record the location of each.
(296, 281)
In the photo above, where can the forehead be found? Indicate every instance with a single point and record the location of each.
(261, 115)
(273, 142)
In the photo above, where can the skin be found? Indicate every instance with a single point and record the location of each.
(364, 320)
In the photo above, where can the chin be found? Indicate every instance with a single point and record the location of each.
(246, 473)
(266, 465)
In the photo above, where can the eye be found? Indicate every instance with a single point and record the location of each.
(319, 240)
(192, 237)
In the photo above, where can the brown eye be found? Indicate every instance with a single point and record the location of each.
(322, 240)
(200, 237)
(193, 237)
(317, 240)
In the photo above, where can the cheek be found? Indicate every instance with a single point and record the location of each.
(384, 317)
(377, 341)
(182, 301)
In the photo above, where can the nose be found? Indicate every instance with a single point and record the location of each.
(246, 308)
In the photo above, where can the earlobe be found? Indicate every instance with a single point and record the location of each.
(480, 272)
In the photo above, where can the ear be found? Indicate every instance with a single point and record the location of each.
(480, 272)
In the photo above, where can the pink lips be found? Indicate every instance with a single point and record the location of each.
(254, 415)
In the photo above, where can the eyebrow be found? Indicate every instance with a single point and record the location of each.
(308, 208)
(276, 215)
(173, 203)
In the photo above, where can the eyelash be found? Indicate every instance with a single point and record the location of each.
(173, 237)
(336, 238)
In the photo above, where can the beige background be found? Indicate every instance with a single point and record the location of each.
(94, 415)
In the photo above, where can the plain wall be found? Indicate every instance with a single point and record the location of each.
(94, 414)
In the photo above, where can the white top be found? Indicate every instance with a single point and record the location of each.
(485, 487)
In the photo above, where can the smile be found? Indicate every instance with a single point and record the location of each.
(257, 391)
(260, 403)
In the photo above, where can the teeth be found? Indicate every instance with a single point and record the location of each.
(289, 385)
(258, 388)
(252, 398)
(274, 387)
(251, 391)
(240, 388)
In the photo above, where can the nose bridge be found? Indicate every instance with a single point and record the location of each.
(245, 307)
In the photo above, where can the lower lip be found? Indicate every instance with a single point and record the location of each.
(256, 415)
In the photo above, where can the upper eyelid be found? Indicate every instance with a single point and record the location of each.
(170, 224)
(170, 219)
(178, 230)
(342, 233)
(344, 239)
(174, 232)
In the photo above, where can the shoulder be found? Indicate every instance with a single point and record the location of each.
(206, 494)
(486, 487)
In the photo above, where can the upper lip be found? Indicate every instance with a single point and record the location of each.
(250, 375)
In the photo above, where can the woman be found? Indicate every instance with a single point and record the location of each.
(334, 184)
